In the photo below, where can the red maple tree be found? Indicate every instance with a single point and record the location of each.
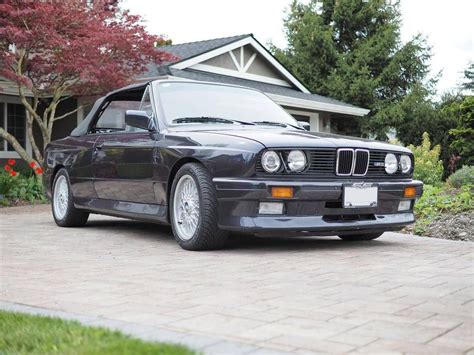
(54, 50)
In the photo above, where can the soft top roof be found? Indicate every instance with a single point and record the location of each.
(129, 92)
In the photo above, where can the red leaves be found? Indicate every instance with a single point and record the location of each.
(93, 50)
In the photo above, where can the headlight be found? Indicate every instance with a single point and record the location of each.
(296, 161)
(271, 161)
(391, 163)
(405, 163)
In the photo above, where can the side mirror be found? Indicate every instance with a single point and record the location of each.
(304, 124)
(140, 119)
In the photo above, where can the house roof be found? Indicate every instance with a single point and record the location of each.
(188, 54)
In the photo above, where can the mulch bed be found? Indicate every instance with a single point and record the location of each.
(454, 227)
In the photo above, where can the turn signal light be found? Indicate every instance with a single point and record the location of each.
(409, 192)
(282, 192)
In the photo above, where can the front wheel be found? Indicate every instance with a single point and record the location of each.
(64, 212)
(193, 210)
(359, 237)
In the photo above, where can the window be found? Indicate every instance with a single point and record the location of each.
(13, 120)
(113, 117)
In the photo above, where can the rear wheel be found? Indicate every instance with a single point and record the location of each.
(193, 210)
(64, 212)
(359, 237)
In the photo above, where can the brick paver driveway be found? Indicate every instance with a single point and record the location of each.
(399, 293)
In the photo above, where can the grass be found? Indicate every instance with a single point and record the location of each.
(441, 200)
(26, 334)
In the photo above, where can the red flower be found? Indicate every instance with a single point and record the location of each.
(39, 171)
(13, 173)
(32, 165)
(8, 167)
(11, 161)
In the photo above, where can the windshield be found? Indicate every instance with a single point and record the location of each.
(196, 103)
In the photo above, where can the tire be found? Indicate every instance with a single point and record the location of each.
(359, 237)
(194, 211)
(64, 212)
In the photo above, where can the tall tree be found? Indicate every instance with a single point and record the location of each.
(54, 50)
(351, 50)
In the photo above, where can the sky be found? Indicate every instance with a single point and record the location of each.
(448, 26)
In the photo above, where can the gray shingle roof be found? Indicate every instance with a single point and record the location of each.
(192, 49)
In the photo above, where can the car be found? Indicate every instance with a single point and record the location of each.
(210, 159)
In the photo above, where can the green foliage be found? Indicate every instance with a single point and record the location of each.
(463, 134)
(351, 50)
(438, 200)
(428, 167)
(28, 334)
(20, 187)
(462, 177)
(468, 83)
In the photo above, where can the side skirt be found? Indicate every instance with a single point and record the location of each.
(132, 210)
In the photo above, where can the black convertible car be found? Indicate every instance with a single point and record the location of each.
(209, 159)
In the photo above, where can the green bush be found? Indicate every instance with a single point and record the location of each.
(428, 166)
(462, 177)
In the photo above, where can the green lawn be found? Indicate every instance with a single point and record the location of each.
(26, 334)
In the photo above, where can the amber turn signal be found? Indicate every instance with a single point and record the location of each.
(410, 191)
(282, 192)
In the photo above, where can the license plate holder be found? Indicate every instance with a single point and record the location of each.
(359, 195)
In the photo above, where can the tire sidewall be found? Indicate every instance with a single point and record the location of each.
(186, 170)
(62, 221)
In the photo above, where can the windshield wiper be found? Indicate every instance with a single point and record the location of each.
(279, 124)
(205, 119)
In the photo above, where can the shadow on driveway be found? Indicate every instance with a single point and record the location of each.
(238, 242)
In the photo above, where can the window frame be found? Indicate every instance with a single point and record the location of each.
(107, 102)
(5, 154)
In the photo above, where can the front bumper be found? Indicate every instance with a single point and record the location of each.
(316, 207)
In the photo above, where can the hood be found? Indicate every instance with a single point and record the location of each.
(285, 138)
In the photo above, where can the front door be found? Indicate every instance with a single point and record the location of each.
(122, 161)
(123, 167)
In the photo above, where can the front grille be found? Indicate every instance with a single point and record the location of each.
(361, 162)
(322, 164)
(345, 160)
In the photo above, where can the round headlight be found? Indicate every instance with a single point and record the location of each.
(296, 161)
(405, 163)
(271, 161)
(391, 163)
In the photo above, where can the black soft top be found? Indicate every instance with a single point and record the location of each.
(127, 93)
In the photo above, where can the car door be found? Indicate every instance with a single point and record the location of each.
(122, 162)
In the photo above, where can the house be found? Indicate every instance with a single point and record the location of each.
(238, 60)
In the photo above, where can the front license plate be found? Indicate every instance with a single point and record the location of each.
(360, 195)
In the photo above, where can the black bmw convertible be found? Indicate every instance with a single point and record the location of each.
(210, 159)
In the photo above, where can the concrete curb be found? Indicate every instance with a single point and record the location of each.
(203, 344)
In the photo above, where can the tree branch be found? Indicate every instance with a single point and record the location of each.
(67, 114)
(17, 146)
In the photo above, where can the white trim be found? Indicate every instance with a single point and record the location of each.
(239, 74)
(315, 105)
(249, 63)
(240, 43)
(236, 63)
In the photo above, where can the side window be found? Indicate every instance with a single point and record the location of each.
(112, 118)
(145, 105)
